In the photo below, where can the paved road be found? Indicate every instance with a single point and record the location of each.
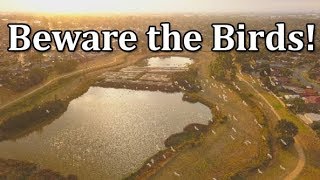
(299, 74)
(302, 159)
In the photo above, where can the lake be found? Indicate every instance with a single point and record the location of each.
(107, 133)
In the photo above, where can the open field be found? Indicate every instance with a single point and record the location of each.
(307, 139)
(222, 152)
(218, 155)
(200, 162)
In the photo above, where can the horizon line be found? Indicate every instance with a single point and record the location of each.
(161, 13)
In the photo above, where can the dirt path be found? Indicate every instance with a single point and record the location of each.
(222, 153)
(302, 159)
(114, 61)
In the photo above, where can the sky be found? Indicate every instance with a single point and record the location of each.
(156, 6)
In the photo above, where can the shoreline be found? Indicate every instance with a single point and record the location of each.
(8, 130)
(189, 135)
(138, 86)
(188, 130)
(15, 169)
(188, 138)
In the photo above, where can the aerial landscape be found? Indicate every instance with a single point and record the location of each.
(158, 115)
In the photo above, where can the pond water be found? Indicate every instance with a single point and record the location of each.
(107, 133)
(173, 61)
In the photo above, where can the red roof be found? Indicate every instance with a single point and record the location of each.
(283, 79)
(312, 100)
(309, 92)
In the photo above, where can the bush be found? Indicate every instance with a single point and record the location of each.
(286, 131)
(223, 67)
(23, 82)
(298, 105)
(26, 121)
(65, 66)
(187, 79)
(37, 75)
(316, 127)
(288, 140)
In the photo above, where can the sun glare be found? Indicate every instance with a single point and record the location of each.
(143, 6)
(93, 6)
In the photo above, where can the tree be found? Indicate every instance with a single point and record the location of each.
(265, 70)
(217, 69)
(22, 82)
(286, 128)
(244, 60)
(286, 131)
(223, 67)
(37, 75)
(316, 127)
(287, 72)
(298, 105)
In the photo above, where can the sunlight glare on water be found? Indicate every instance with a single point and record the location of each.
(169, 62)
(107, 133)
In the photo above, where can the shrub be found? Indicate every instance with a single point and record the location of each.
(65, 66)
(286, 131)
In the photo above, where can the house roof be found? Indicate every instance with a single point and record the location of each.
(310, 92)
(313, 117)
(312, 100)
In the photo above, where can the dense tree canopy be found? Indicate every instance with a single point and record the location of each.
(298, 105)
(286, 128)
(286, 131)
(223, 67)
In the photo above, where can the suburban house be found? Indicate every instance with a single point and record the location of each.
(312, 99)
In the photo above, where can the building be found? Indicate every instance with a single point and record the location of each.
(288, 97)
(312, 99)
(296, 90)
(312, 117)
(309, 92)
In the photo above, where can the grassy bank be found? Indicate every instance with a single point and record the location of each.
(190, 137)
(42, 108)
(139, 86)
(289, 158)
(13, 169)
(199, 151)
(71, 86)
(205, 151)
(26, 122)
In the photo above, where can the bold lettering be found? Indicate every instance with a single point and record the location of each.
(14, 37)
(219, 37)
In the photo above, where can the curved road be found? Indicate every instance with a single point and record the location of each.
(302, 159)
(299, 75)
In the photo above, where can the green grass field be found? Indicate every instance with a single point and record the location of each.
(307, 137)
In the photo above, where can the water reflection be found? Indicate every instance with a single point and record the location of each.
(107, 133)
(169, 62)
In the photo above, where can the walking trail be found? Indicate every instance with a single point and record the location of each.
(297, 145)
(56, 79)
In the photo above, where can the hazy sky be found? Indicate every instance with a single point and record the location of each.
(107, 6)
